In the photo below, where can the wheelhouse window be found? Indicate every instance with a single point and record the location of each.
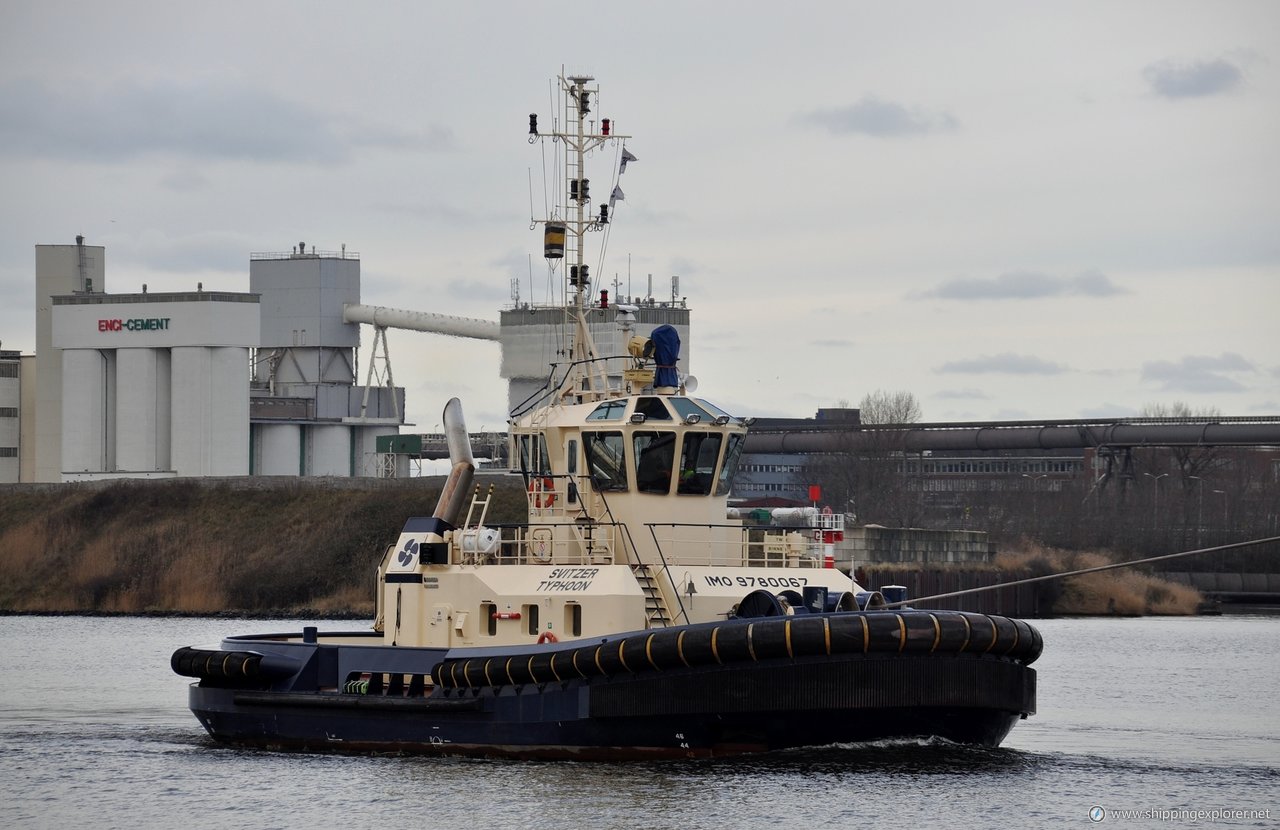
(608, 411)
(730, 466)
(685, 407)
(715, 410)
(653, 409)
(655, 456)
(606, 460)
(533, 455)
(698, 459)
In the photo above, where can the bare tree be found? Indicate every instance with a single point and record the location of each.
(881, 407)
(869, 472)
(1195, 466)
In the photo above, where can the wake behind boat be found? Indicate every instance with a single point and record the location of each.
(629, 616)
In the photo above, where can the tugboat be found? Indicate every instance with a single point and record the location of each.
(629, 616)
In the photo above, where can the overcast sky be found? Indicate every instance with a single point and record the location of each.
(1011, 210)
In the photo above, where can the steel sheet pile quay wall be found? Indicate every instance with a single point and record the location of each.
(1064, 436)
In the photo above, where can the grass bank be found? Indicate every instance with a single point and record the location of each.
(1124, 591)
(198, 547)
(300, 546)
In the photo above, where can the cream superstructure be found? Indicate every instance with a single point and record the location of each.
(627, 484)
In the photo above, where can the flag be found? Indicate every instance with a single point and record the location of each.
(616, 196)
(626, 157)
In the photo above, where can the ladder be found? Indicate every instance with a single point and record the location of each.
(656, 614)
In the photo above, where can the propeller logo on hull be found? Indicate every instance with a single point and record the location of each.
(407, 553)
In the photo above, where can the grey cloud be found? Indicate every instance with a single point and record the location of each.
(882, 119)
(210, 251)
(379, 284)
(185, 181)
(1027, 285)
(1011, 415)
(683, 266)
(833, 344)
(1006, 363)
(197, 120)
(463, 289)
(966, 394)
(439, 214)
(1198, 373)
(1174, 79)
(1109, 410)
(434, 138)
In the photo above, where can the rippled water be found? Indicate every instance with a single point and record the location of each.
(1141, 714)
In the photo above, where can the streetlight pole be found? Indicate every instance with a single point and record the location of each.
(1223, 493)
(1199, 511)
(1155, 502)
(1035, 501)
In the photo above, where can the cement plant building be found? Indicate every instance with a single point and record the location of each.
(195, 383)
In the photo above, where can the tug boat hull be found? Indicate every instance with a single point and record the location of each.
(745, 704)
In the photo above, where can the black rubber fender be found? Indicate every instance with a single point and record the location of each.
(738, 641)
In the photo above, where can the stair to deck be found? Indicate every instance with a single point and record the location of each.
(656, 613)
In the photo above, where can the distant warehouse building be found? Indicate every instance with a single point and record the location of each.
(154, 385)
(10, 409)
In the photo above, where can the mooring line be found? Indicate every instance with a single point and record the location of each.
(1112, 566)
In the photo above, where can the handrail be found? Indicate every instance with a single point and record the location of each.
(667, 569)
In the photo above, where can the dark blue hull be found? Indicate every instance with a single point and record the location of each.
(686, 708)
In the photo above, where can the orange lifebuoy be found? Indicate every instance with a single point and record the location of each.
(543, 490)
(547, 637)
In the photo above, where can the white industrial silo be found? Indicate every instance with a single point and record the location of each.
(88, 435)
(210, 410)
(142, 422)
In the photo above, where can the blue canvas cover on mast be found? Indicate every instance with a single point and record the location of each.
(666, 352)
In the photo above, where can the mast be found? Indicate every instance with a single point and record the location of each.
(587, 379)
